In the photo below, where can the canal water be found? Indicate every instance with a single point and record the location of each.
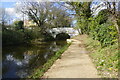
(20, 61)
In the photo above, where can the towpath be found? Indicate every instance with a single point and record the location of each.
(74, 63)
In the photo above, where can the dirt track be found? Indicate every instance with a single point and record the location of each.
(74, 63)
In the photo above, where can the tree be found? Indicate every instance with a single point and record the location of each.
(4, 17)
(113, 7)
(82, 14)
(45, 14)
(60, 18)
(19, 25)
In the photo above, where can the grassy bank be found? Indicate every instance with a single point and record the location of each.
(40, 71)
(105, 59)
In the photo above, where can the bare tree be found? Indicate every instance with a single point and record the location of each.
(4, 17)
(45, 14)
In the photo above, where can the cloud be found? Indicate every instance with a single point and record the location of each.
(10, 11)
(14, 14)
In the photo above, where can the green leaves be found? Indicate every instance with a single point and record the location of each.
(103, 30)
(18, 25)
(104, 34)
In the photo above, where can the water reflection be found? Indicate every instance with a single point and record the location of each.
(19, 61)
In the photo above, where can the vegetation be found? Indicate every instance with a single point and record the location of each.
(12, 37)
(46, 15)
(48, 37)
(4, 17)
(103, 28)
(18, 36)
(105, 59)
(40, 71)
(99, 27)
(18, 25)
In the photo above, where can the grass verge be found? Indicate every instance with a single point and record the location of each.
(40, 72)
(105, 59)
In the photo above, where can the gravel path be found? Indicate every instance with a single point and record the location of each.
(74, 63)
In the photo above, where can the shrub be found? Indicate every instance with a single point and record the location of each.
(10, 37)
(48, 37)
(105, 33)
(29, 35)
(102, 16)
(18, 25)
(99, 28)
(103, 30)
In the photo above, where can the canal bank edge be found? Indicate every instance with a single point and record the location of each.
(40, 72)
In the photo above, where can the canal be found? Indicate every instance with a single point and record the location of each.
(20, 61)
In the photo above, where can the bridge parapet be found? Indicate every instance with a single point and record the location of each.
(70, 31)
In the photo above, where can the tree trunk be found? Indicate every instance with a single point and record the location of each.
(118, 22)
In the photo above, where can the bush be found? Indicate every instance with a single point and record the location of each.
(105, 33)
(102, 16)
(18, 25)
(30, 34)
(48, 37)
(10, 37)
(99, 28)
(103, 30)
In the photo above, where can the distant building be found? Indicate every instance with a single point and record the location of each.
(29, 23)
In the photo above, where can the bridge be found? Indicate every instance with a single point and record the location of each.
(70, 31)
